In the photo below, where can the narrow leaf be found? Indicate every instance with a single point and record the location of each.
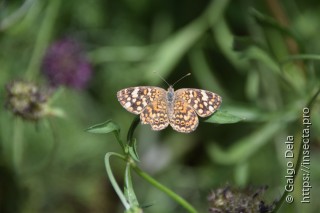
(133, 151)
(104, 128)
(128, 189)
(223, 117)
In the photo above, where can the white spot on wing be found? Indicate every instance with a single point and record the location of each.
(134, 94)
(128, 104)
(204, 96)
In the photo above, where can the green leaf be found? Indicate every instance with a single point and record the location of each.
(132, 128)
(128, 188)
(302, 57)
(267, 21)
(104, 128)
(244, 148)
(134, 210)
(177, 45)
(248, 112)
(113, 179)
(133, 150)
(223, 117)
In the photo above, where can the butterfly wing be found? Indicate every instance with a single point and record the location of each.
(155, 114)
(183, 117)
(202, 101)
(135, 99)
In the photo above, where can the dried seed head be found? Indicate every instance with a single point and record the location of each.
(26, 100)
(231, 200)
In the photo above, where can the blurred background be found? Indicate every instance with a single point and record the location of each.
(62, 62)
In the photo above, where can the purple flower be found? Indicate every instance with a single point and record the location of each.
(66, 64)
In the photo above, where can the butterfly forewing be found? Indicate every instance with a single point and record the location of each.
(155, 114)
(183, 118)
(203, 102)
(135, 99)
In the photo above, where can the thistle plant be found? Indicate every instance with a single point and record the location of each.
(29, 101)
(65, 64)
(228, 199)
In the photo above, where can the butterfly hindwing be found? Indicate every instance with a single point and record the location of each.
(183, 118)
(155, 114)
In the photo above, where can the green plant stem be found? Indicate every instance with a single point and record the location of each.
(113, 180)
(148, 178)
(301, 57)
(166, 190)
(132, 128)
(17, 144)
(55, 144)
(299, 159)
(43, 38)
(117, 135)
(129, 191)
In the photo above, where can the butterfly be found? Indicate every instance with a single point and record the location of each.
(159, 107)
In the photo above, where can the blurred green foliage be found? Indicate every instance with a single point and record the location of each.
(262, 57)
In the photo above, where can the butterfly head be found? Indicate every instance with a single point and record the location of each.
(171, 89)
(170, 92)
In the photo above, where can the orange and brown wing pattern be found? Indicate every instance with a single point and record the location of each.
(135, 99)
(202, 101)
(183, 118)
(155, 114)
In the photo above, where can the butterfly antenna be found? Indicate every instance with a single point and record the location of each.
(181, 78)
(161, 77)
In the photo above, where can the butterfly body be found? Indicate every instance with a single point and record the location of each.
(159, 107)
(170, 100)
